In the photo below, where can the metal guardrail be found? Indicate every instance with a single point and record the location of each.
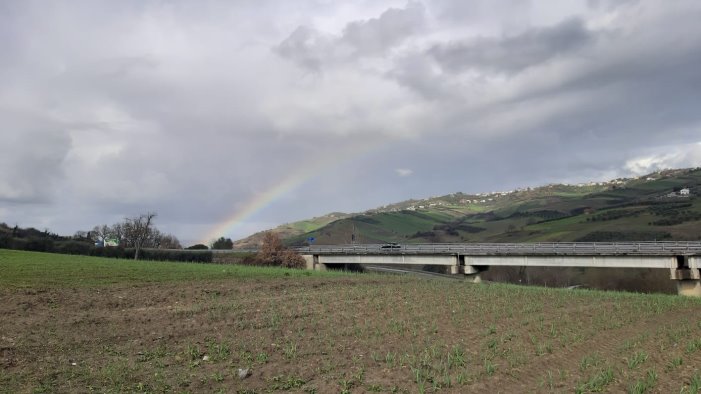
(667, 248)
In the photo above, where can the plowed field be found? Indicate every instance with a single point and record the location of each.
(335, 333)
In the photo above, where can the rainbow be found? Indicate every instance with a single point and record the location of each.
(309, 170)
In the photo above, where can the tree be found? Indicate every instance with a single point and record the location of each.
(138, 230)
(100, 233)
(117, 231)
(273, 252)
(271, 249)
(198, 247)
(223, 243)
(169, 241)
(154, 241)
(80, 235)
(161, 240)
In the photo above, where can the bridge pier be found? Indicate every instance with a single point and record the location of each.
(472, 274)
(308, 261)
(688, 276)
(311, 262)
(689, 288)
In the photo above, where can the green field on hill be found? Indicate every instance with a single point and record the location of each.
(645, 209)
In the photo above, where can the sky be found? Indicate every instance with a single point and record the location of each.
(230, 117)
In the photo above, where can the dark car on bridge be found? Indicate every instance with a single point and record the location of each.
(391, 245)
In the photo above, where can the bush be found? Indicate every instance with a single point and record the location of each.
(176, 255)
(113, 252)
(5, 241)
(39, 245)
(450, 229)
(424, 234)
(204, 256)
(290, 259)
(72, 247)
(621, 236)
(252, 260)
(273, 253)
(223, 243)
(615, 214)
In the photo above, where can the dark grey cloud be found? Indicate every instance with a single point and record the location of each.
(609, 4)
(302, 47)
(418, 74)
(506, 14)
(310, 48)
(514, 53)
(376, 35)
(202, 112)
(32, 154)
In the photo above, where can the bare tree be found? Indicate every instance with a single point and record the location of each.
(117, 232)
(160, 240)
(169, 241)
(154, 240)
(138, 230)
(100, 233)
(80, 235)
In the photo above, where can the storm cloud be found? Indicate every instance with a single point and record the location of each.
(200, 110)
(514, 54)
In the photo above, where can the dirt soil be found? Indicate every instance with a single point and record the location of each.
(356, 334)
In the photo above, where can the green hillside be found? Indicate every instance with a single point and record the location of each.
(652, 207)
(290, 230)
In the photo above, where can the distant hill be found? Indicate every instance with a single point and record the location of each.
(291, 230)
(663, 205)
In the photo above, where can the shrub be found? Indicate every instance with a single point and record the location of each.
(223, 243)
(72, 247)
(176, 255)
(39, 245)
(290, 259)
(251, 260)
(5, 241)
(273, 253)
(620, 236)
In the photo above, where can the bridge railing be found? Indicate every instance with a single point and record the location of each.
(542, 248)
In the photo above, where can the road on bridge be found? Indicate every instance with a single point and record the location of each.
(680, 248)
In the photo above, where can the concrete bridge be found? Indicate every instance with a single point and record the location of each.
(682, 259)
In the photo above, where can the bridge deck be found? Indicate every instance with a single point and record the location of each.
(516, 249)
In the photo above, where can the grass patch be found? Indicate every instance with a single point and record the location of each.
(35, 269)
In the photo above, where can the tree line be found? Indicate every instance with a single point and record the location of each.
(137, 232)
(128, 239)
(138, 238)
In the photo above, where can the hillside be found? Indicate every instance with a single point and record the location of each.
(291, 230)
(651, 207)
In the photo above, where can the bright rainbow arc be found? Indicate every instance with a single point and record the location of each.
(295, 180)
